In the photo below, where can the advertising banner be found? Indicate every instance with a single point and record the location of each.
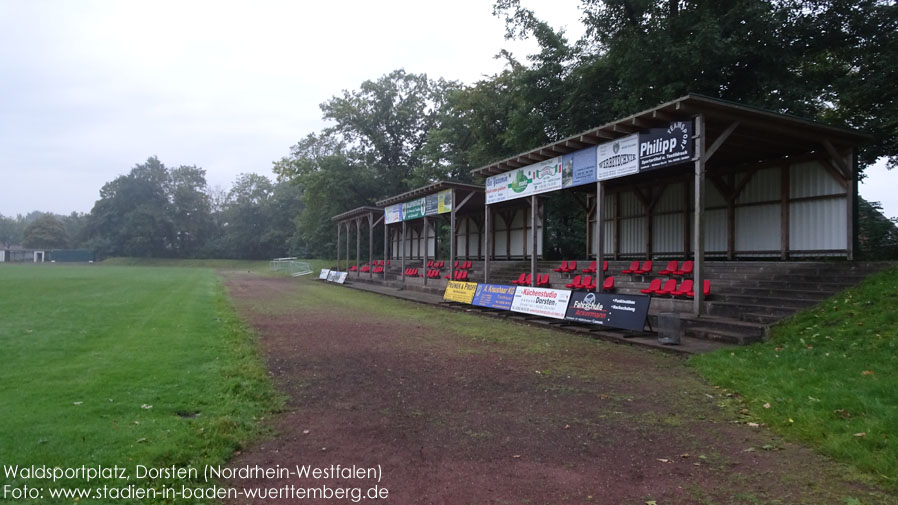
(525, 181)
(413, 209)
(431, 205)
(341, 277)
(393, 213)
(323, 274)
(444, 201)
(617, 158)
(541, 301)
(616, 311)
(578, 167)
(462, 292)
(494, 296)
(662, 147)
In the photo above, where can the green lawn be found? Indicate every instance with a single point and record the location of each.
(828, 377)
(109, 365)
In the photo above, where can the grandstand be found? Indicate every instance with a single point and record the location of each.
(754, 208)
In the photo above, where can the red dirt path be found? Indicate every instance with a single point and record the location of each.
(453, 420)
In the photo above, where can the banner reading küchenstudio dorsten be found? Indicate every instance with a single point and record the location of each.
(662, 147)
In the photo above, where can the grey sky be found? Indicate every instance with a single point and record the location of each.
(88, 89)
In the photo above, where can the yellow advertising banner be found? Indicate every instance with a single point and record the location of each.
(462, 292)
(444, 199)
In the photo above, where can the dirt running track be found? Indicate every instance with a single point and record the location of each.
(452, 418)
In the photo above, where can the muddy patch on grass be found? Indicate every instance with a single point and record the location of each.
(452, 419)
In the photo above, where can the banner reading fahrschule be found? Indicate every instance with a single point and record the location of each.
(613, 310)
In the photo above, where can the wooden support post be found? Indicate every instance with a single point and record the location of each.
(533, 229)
(339, 226)
(699, 226)
(358, 246)
(785, 216)
(402, 251)
(426, 247)
(487, 237)
(600, 235)
(452, 243)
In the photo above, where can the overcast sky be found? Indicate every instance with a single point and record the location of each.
(88, 89)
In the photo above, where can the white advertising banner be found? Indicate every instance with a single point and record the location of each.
(324, 273)
(617, 158)
(393, 213)
(525, 181)
(541, 301)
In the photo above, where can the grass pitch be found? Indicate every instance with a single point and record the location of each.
(827, 377)
(123, 366)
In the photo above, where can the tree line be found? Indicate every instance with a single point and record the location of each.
(831, 60)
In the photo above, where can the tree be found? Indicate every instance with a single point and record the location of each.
(385, 124)
(877, 234)
(45, 232)
(190, 210)
(10, 230)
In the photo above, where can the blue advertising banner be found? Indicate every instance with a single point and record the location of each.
(431, 205)
(494, 296)
(578, 167)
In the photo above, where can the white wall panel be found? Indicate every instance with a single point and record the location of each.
(811, 179)
(763, 187)
(632, 235)
(818, 225)
(630, 206)
(758, 228)
(667, 233)
(671, 200)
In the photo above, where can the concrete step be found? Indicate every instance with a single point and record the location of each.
(778, 301)
(738, 311)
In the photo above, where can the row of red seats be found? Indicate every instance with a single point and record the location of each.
(589, 283)
(525, 279)
(433, 273)
(571, 266)
(463, 265)
(670, 288)
(672, 268)
(459, 275)
(436, 264)
(380, 263)
(411, 272)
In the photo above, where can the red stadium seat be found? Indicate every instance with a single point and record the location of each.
(670, 285)
(574, 282)
(670, 268)
(591, 269)
(520, 280)
(684, 289)
(542, 280)
(585, 283)
(646, 268)
(609, 284)
(604, 266)
(571, 266)
(654, 286)
(633, 268)
(562, 268)
(686, 269)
